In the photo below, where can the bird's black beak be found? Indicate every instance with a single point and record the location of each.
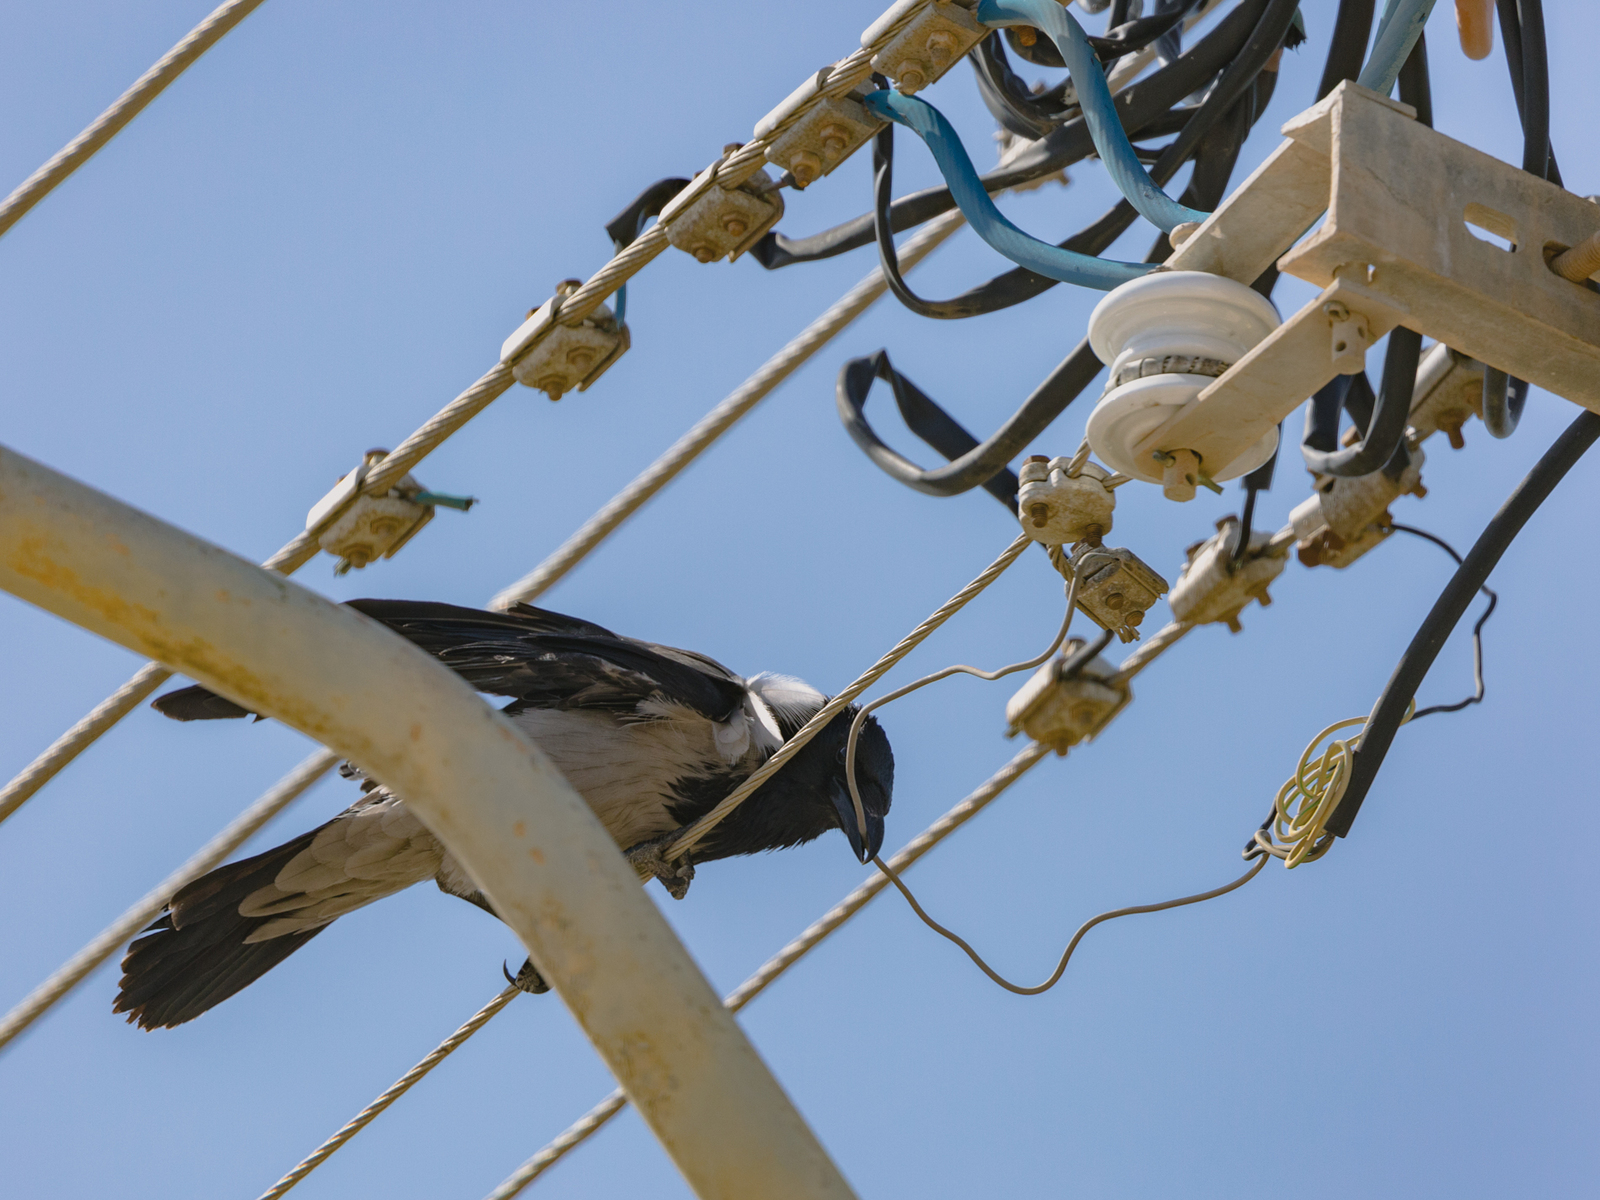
(865, 848)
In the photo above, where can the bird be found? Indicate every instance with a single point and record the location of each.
(651, 737)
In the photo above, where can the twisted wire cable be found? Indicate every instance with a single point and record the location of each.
(126, 107)
(841, 78)
(697, 832)
(392, 1093)
(720, 419)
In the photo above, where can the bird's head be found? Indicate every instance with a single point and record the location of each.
(874, 768)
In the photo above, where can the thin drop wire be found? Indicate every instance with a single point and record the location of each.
(946, 673)
(698, 831)
(1477, 629)
(1072, 946)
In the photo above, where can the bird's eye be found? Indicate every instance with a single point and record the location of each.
(841, 755)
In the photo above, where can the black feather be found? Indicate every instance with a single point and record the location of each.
(195, 955)
(538, 658)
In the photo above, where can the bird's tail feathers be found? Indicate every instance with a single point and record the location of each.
(196, 955)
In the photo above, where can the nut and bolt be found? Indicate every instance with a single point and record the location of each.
(941, 46)
(806, 168)
(1040, 514)
(735, 226)
(912, 79)
(581, 357)
(704, 253)
(1336, 311)
(834, 139)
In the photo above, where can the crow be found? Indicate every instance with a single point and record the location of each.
(650, 736)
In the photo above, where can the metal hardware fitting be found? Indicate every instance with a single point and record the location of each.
(359, 529)
(557, 358)
(719, 222)
(826, 134)
(1068, 700)
(1212, 587)
(1115, 588)
(1059, 504)
(934, 41)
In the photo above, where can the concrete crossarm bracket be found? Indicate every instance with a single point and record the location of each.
(522, 832)
(1397, 247)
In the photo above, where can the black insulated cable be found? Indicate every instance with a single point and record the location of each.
(1504, 398)
(623, 228)
(1527, 58)
(978, 463)
(1385, 433)
(1214, 141)
(1347, 48)
(1127, 38)
(977, 466)
(1448, 610)
(1519, 58)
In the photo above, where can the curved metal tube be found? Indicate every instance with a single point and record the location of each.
(525, 836)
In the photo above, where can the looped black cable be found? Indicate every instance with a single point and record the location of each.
(1008, 98)
(888, 257)
(925, 419)
(1527, 59)
(624, 228)
(1384, 435)
(1503, 400)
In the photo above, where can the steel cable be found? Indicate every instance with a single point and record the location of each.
(126, 107)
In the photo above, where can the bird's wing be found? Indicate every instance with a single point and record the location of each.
(541, 659)
(371, 850)
(546, 660)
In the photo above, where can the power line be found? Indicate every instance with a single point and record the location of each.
(127, 106)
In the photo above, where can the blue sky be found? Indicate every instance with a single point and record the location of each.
(324, 231)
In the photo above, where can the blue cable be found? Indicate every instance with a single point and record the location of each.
(1065, 266)
(1398, 33)
(1099, 111)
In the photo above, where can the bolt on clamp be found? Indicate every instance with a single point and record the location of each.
(717, 222)
(1068, 700)
(1346, 517)
(558, 358)
(1216, 583)
(934, 41)
(1065, 500)
(828, 131)
(1115, 588)
(360, 529)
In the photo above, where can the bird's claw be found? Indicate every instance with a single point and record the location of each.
(526, 979)
(649, 862)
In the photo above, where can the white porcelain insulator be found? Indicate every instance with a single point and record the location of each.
(1184, 314)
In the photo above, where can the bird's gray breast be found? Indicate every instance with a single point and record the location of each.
(629, 771)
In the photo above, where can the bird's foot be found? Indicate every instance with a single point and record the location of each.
(527, 979)
(650, 861)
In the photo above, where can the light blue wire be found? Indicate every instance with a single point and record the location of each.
(1398, 33)
(1067, 266)
(1094, 95)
